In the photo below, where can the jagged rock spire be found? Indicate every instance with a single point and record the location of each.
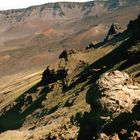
(114, 30)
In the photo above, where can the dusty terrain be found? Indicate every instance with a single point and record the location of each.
(34, 37)
(87, 91)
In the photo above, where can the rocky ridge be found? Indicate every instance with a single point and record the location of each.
(61, 10)
(114, 30)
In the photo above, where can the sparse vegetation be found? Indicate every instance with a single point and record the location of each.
(82, 95)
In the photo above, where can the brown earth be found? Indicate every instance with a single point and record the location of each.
(29, 40)
(81, 95)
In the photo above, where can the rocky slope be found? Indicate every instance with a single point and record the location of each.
(113, 100)
(86, 94)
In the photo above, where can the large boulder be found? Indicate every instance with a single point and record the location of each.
(114, 93)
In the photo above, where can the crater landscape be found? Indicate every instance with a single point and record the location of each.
(70, 71)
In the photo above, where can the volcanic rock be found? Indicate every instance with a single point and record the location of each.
(66, 53)
(114, 93)
(52, 75)
(133, 42)
(134, 26)
(114, 30)
(91, 45)
(105, 137)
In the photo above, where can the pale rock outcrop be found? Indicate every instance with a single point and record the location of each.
(115, 93)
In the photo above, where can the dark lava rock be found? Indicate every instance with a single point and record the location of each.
(67, 53)
(114, 30)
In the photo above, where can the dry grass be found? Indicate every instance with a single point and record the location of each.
(17, 86)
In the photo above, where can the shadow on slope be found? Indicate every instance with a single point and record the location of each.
(14, 115)
(24, 105)
(91, 126)
(119, 59)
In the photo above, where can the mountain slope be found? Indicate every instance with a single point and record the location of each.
(80, 92)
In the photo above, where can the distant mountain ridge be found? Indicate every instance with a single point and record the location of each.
(61, 10)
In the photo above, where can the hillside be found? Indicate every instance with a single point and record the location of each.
(90, 93)
(33, 37)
